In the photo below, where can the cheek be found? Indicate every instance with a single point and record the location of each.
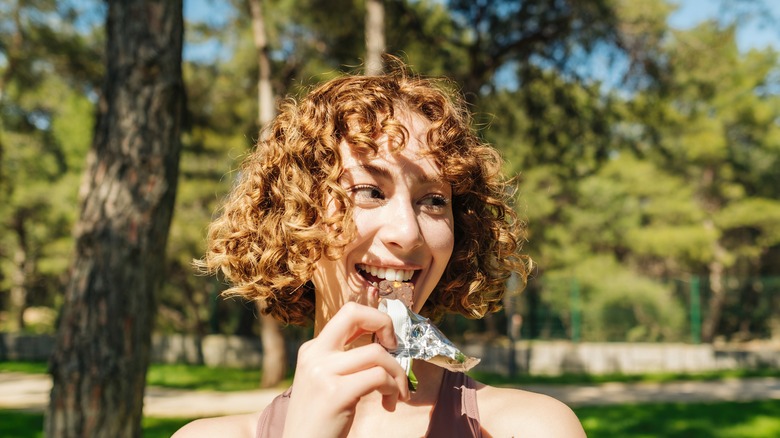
(440, 237)
(365, 222)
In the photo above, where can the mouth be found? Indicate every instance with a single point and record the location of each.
(374, 274)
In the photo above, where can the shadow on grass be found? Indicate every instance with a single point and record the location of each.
(22, 424)
(717, 420)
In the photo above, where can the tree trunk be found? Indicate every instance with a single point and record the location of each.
(274, 352)
(717, 300)
(265, 94)
(17, 296)
(375, 36)
(103, 342)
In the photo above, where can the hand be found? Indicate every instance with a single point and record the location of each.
(329, 380)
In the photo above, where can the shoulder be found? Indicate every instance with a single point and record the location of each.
(514, 412)
(231, 425)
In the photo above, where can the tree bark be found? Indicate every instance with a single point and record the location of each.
(717, 265)
(23, 270)
(103, 341)
(274, 352)
(375, 36)
(717, 293)
(265, 94)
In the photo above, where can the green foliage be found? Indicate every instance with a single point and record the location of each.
(667, 179)
(48, 71)
(616, 303)
(662, 166)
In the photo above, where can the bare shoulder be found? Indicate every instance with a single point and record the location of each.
(231, 425)
(514, 412)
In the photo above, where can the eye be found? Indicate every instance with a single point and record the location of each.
(435, 202)
(366, 194)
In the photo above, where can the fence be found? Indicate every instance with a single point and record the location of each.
(678, 310)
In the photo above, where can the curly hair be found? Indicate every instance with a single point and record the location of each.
(275, 224)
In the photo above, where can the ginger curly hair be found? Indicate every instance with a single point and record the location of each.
(273, 226)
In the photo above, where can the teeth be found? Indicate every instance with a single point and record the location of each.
(388, 273)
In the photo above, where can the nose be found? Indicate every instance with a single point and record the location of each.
(401, 226)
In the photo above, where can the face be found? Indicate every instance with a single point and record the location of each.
(404, 223)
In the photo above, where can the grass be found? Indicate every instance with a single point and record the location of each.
(204, 378)
(690, 420)
(24, 367)
(199, 377)
(579, 379)
(758, 419)
(21, 424)
(194, 377)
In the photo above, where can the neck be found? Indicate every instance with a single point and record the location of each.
(428, 382)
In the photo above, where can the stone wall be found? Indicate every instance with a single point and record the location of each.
(215, 350)
(537, 358)
(553, 358)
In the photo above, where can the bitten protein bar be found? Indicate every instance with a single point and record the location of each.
(397, 290)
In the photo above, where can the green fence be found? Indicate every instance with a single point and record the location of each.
(687, 310)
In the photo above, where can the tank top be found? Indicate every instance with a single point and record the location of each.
(455, 414)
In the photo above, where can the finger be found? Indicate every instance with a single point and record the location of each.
(354, 320)
(390, 401)
(375, 355)
(373, 298)
(376, 379)
(370, 356)
(364, 357)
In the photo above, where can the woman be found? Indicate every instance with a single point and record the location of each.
(371, 178)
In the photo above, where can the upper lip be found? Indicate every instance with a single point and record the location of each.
(388, 272)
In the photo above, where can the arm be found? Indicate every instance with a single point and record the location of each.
(513, 412)
(232, 426)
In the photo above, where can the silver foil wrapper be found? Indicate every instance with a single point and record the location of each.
(418, 338)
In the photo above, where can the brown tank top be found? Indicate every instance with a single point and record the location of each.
(454, 415)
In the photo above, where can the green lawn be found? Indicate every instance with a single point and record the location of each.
(176, 376)
(236, 379)
(19, 424)
(759, 419)
(575, 379)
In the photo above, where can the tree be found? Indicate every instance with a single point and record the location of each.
(471, 41)
(375, 36)
(274, 351)
(713, 122)
(104, 336)
(265, 94)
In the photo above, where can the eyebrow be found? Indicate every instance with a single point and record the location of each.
(381, 172)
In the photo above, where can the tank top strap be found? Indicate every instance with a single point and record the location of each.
(271, 423)
(456, 413)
